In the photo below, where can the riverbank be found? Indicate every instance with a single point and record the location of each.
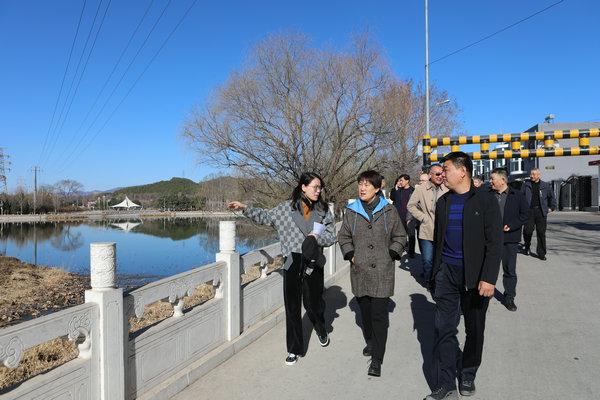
(27, 290)
(114, 215)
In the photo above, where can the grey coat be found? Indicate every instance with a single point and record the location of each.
(369, 241)
(293, 228)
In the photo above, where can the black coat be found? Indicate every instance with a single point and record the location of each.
(516, 214)
(482, 236)
(547, 198)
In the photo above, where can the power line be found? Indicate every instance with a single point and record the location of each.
(495, 33)
(53, 143)
(63, 80)
(82, 137)
(85, 66)
(116, 65)
(141, 75)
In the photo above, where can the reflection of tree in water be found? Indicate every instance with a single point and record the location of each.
(23, 233)
(62, 237)
(67, 241)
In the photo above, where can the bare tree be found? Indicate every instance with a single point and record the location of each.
(292, 107)
(68, 188)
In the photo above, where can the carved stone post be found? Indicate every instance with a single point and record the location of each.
(232, 283)
(111, 371)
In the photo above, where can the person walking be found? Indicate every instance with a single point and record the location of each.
(514, 212)
(305, 225)
(400, 198)
(541, 200)
(422, 206)
(467, 253)
(372, 237)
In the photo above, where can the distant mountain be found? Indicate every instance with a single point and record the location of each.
(175, 185)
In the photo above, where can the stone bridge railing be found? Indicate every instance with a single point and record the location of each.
(158, 361)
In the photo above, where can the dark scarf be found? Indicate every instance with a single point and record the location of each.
(370, 207)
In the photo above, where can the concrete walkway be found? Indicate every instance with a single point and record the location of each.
(548, 349)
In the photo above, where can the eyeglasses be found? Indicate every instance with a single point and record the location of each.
(316, 188)
(438, 174)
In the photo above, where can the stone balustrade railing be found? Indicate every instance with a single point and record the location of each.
(164, 358)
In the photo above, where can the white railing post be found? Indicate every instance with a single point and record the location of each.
(110, 370)
(329, 252)
(228, 254)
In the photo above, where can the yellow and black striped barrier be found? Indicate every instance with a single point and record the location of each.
(515, 139)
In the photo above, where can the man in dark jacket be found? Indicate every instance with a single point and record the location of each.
(467, 254)
(515, 212)
(400, 198)
(540, 205)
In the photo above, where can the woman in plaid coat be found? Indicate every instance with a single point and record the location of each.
(303, 223)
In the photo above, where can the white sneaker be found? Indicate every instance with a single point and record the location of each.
(291, 359)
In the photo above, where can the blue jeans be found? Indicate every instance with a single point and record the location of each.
(427, 254)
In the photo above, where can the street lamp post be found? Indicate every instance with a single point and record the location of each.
(426, 72)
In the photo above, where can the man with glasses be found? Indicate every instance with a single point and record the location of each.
(422, 207)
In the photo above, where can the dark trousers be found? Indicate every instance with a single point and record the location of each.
(410, 235)
(296, 289)
(509, 268)
(450, 299)
(536, 221)
(375, 322)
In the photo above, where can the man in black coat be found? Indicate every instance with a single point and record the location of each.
(541, 200)
(467, 254)
(400, 196)
(515, 212)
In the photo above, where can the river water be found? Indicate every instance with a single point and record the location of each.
(147, 249)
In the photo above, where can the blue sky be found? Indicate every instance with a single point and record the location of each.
(508, 83)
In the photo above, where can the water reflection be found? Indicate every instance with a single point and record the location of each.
(150, 247)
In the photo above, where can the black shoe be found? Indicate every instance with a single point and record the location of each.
(443, 394)
(375, 368)
(526, 251)
(467, 388)
(411, 255)
(510, 306)
(368, 350)
(323, 340)
(543, 258)
(291, 359)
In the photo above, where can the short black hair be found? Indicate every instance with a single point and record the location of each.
(502, 172)
(373, 177)
(460, 159)
(406, 177)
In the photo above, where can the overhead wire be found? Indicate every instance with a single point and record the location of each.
(495, 33)
(132, 36)
(53, 143)
(82, 137)
(85, 67)
(63, 81)
(136, 81)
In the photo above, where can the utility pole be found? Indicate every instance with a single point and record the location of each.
(35, 171)
(3, 168)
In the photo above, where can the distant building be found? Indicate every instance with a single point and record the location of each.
(555, 168)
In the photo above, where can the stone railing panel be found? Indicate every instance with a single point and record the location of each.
(76, 378)
(174, 288)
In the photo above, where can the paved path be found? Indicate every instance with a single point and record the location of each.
(548, 349)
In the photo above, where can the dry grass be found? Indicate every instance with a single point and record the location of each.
(160, 310)
(37, 360)
(27, 289)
